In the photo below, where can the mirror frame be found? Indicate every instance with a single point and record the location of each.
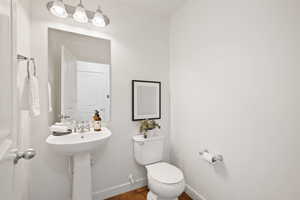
(133, 99)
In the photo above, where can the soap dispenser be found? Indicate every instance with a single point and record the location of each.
(97, 121)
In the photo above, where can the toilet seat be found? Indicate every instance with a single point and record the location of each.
(165, 173)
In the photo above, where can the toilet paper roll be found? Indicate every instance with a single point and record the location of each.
(208, 157)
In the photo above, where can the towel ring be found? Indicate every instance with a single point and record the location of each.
(24, 58)
(28, 69)
(34, 66)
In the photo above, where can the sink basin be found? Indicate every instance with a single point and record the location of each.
(78, 142)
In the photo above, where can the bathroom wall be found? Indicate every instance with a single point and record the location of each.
(139, 50)
(235, 91)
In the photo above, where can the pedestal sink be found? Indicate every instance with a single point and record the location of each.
(80, 145)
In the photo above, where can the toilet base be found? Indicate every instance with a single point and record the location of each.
(152, 196)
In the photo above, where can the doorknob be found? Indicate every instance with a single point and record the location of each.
(27, 155)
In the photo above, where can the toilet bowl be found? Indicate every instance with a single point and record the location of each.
(165, 181)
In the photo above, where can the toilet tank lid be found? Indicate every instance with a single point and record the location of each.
(165, 173)
(140, 138)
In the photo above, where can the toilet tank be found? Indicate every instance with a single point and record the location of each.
(148, 150)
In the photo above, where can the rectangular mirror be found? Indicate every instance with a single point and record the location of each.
(79, 75)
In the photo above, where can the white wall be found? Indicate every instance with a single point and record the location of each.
(235, 90)
(139, 50)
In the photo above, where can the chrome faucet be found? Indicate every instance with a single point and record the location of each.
(81, 127)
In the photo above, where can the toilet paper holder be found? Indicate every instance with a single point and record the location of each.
(211, 158)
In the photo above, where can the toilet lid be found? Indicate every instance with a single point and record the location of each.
(165, 173)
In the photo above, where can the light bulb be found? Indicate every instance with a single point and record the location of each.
(98, 19)
(80, 14)
(58, 9)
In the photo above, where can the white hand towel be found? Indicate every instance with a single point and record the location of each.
(59, 129)
(49, 98)
(24, 95)
(34, 99)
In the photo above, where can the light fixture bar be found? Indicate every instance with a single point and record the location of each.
(71, 9)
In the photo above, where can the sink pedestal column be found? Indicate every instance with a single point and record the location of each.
(82, 179)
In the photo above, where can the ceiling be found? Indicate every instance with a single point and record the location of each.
(158, 7)
(162, 7)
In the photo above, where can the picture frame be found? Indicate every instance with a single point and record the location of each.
(146, 100)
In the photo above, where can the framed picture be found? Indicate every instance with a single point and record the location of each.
(146, 100)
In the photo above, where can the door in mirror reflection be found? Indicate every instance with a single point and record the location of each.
(92, 89)
(84, 87)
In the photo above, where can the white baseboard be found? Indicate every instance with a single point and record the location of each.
(119, 189)
(126, 187)
(193, 193)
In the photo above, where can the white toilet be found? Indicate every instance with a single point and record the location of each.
(165, 181)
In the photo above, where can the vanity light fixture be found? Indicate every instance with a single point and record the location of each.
(78, 13)
(98, 19)
(58, 9)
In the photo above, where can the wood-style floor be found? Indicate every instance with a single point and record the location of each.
(141, 194)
